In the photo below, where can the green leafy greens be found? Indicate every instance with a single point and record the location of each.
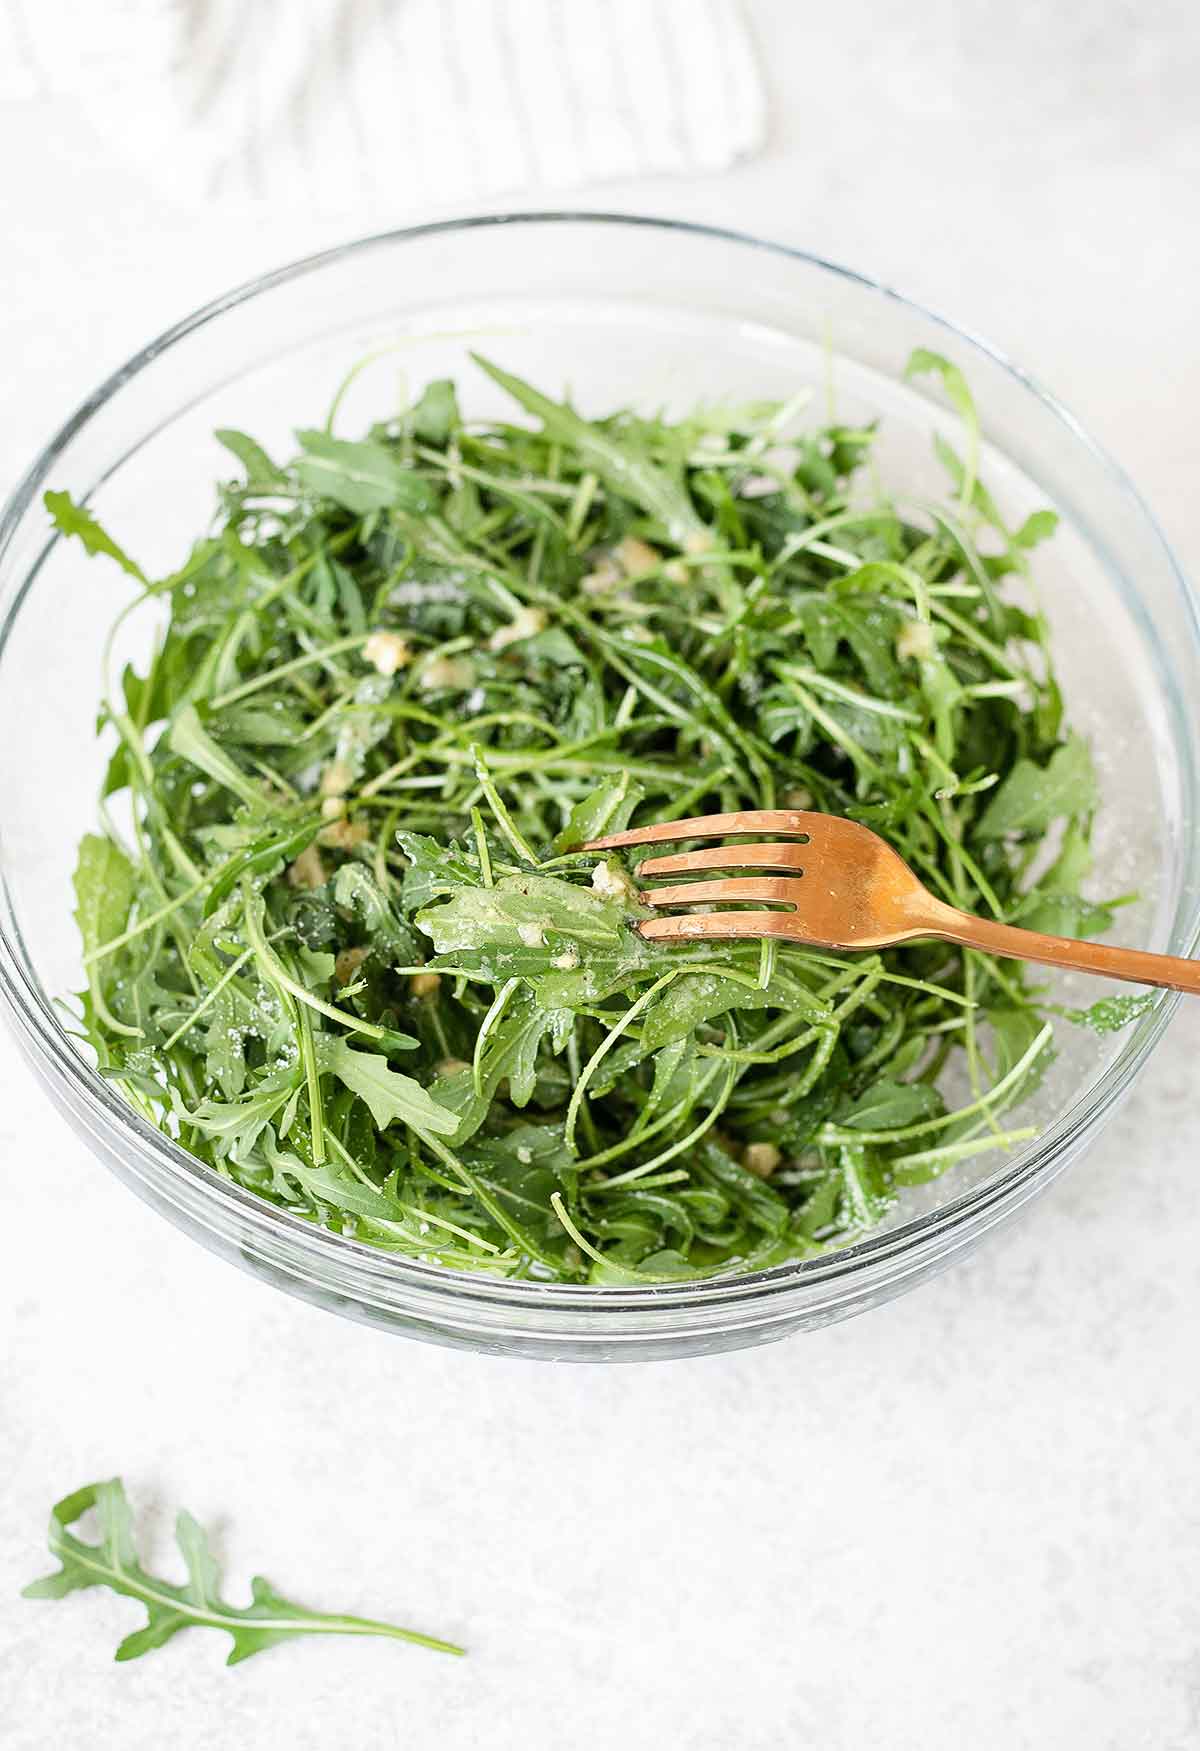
(196, 1603)
(343, 946)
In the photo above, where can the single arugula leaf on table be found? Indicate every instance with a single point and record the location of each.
(197, 1603)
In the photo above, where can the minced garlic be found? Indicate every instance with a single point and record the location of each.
(307, 870)
(604, 577)
(611, 883)
(336, 778)
(453, 673)
(347, 964)
(915, 639)
(344, 835)
(526, 623)
(387, 652)
(761, 1159)
(635, 556)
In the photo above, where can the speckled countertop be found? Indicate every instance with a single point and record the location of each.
(972, 1517)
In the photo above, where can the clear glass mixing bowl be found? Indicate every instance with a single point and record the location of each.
(617, 310)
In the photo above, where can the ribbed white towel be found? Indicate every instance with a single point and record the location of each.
(331, 103)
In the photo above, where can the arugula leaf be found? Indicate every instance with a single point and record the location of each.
(1032, 797)
(435, 415)
(889, 1106)
(1073, 863)
(390, 1096)
(922, 362)
(432, 868)
(104, 887)
(1038, 526)
(363, 476)
(104, 882)
(197, 1603)
(356, 890)
(519, 912)
(237, 1124)
(72, 519)
(619, 462)
(523, 1169)
(261, 473)
(606, 810)
(1111, 1014)
(188, 738)
(338, 1189)
(1012, 1038)
(1063, 915)
(763, 1206)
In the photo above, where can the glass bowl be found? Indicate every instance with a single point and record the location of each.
(615, 310)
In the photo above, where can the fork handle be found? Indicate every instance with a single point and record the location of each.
(1171, 972)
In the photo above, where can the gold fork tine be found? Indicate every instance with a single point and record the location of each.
(720, 925)
(711, 827)
(770, 888)
(777, 857)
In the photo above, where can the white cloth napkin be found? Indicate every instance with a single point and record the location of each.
(329, 104)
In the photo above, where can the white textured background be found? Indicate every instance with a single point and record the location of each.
(970, 1518)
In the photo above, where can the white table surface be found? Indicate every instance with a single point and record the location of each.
(971, 1517)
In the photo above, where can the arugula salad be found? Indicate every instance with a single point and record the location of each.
(340, 942)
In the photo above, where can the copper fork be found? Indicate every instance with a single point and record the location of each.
(846, 889)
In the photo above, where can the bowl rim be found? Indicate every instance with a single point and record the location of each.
(46, 1039)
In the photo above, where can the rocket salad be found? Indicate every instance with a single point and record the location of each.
(340, 942)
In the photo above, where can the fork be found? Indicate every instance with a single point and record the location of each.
(845, 889)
